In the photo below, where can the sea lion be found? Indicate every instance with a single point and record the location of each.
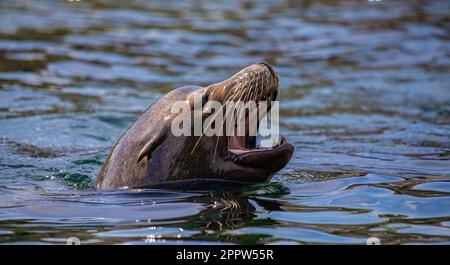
(149, 154)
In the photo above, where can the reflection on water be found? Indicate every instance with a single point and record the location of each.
(365, 100)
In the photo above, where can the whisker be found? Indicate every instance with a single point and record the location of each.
(261, 88)
(195, 146)
(203, 133)
(254, 88)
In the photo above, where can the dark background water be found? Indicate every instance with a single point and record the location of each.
(365, 100)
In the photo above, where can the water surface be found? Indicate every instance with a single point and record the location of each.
(365, 101)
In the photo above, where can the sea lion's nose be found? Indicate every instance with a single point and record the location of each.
(270, 68)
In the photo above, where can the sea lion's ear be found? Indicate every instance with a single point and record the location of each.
(150, 146)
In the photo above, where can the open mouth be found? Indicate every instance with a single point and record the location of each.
(258, 84)
(244, 150)
(244, 144)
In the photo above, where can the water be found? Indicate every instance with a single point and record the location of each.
(365, 100)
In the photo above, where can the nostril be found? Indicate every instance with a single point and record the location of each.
(269, 66)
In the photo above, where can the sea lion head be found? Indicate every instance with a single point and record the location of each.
(234, 157)
(150, 153)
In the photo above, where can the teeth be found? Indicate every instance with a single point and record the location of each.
(269, 141)
(275, 141)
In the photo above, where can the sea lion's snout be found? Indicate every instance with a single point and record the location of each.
(272, 71)
(257, 82)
